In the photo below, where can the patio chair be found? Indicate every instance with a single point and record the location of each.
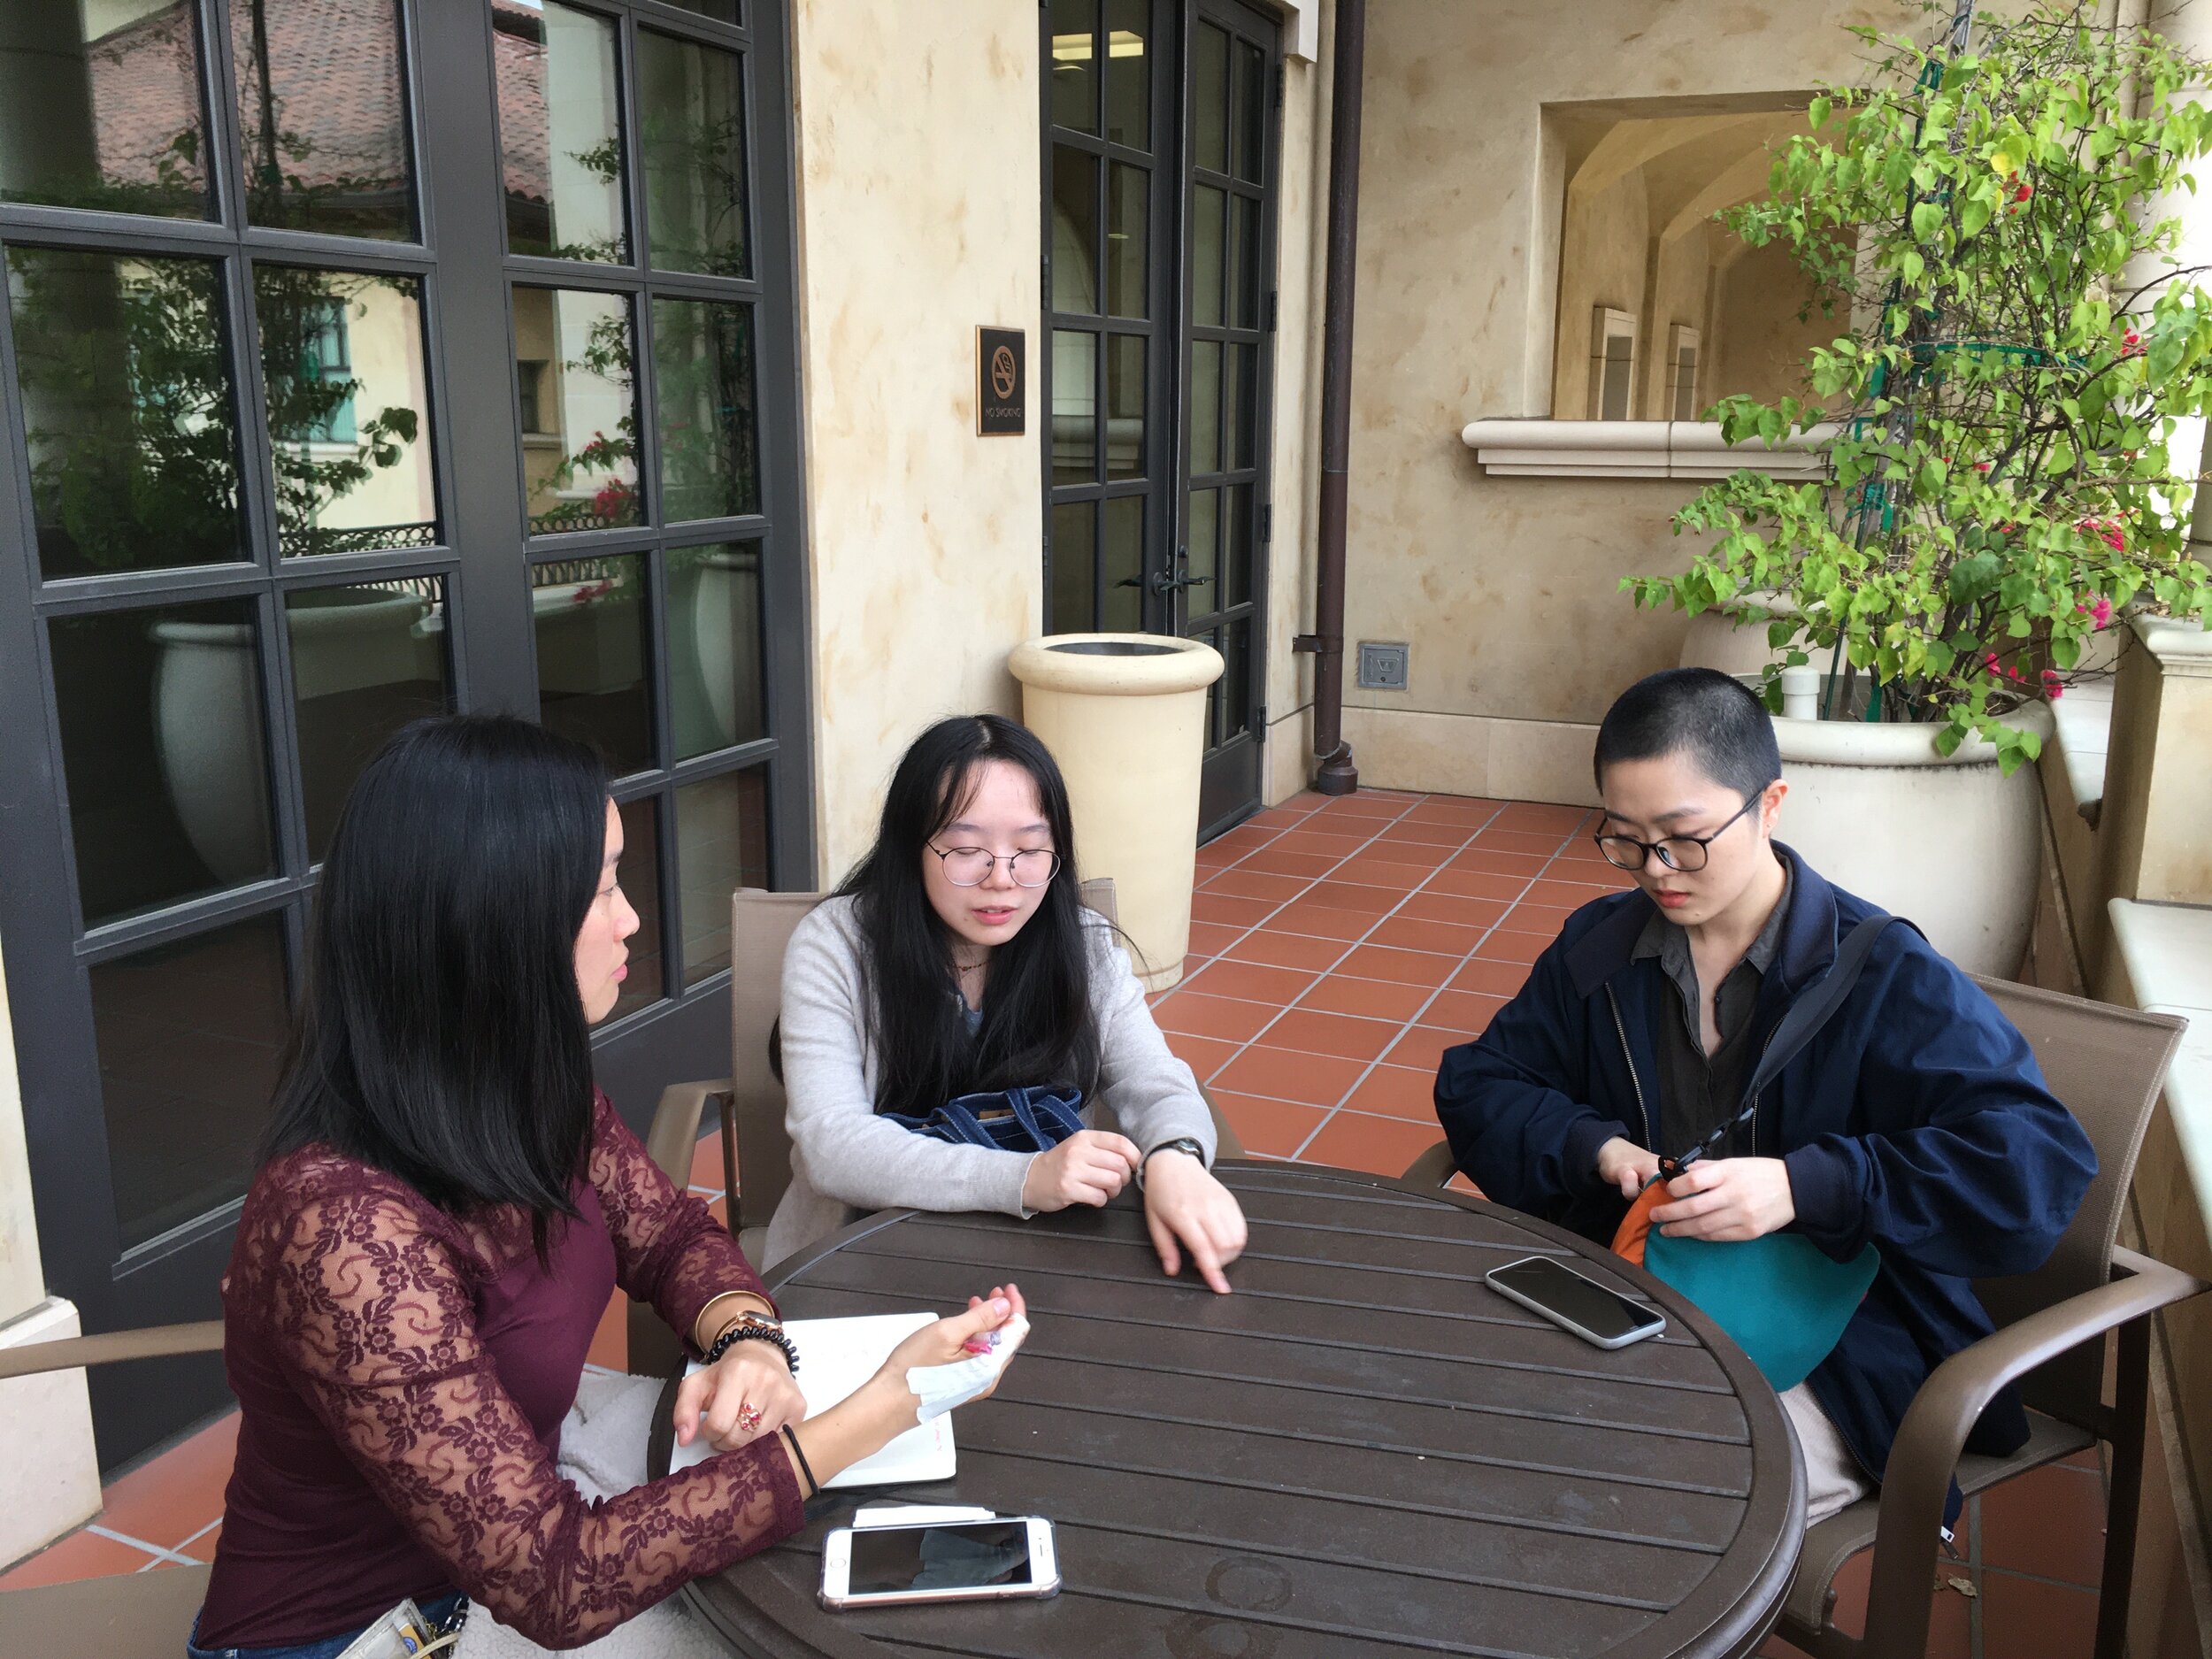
(749, 1102)
(2107, 1064)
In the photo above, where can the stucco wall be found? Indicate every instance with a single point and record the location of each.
(1760, 349)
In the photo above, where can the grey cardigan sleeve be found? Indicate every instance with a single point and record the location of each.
(1153, 1094)
(847, 1151)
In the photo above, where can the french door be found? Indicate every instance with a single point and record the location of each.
(1160, 164)
(361, 359)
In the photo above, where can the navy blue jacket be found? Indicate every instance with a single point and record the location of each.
(1917, 1120)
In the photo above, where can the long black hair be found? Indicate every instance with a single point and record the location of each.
(442, 1037)
(1037, 1025)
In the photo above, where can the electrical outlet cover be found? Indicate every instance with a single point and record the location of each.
(1382, 665)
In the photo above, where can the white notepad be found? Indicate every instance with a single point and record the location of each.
(835, 1357)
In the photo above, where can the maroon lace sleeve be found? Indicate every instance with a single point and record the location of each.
(669, 1250)
(370, 1303)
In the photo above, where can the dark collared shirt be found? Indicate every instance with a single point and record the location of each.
(1698, 1091)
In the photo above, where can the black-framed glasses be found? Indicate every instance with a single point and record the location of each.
(971, 866)
(1685, 854)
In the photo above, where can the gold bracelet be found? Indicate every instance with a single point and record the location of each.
(699, 1338)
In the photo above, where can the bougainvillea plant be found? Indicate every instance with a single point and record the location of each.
(2011, 463)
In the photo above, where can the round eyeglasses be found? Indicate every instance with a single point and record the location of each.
(1683, 854)
(971, 866)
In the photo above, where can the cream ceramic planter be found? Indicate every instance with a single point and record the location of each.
(1733, 637)
(1124, 715)
(1951, 844)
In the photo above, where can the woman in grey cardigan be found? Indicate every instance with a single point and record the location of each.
(958, 959)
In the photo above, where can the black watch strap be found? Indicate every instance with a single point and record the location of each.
(751, 1329)
(1181, 1143)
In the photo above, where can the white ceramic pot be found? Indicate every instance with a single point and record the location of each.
(1951, 843)
(1733, 637)
(1124, 715)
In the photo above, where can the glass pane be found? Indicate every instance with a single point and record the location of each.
(574, 358)
(105, 114)
(1124, 405)
(1123, 556)
(592, 623)
(1074, 407)
(702, 370)
(1236, 575)
(1074, 564)
(1128, 73)
(162, 748)
(1236, 678)
(560, 134)
(1074, 83)
(128, 409)
(341, 367)
(323, 152)
(1203, 547)
(691, 109)
(1126, 191)
(720, 11)
(1205, 406)
(365, 661)
(1209, 97)
(1250, 122)
(1244, 263)
(1238, 388)
(1209, 234)
(721, 845)
(191, 1041)
(640, 874)
(716, 681)
(1074, 231)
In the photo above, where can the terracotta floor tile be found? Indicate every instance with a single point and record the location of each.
(1408, 967)
(1324, 921)
(1280, 947)
(1244, 883)
(170, 1497)
(1355, 896)
(1276, 817)
(1412, 933)
(1403, 1091)
(1537, 918)
(1268, 1128)
(1466, 1012)
(1492, 862)
(2049, 1522)
(202, 1548)
(1211, 939)
(1252, 982)
(1450, 908)
(1477, 884)
(1313, 1031)
(1205, 1055)
(81, 1554)
(1366, 806)
(1229, 909)
(1369, 998)
(1421, 1047)
(1505, 840)
(706, 1160)
(1238, 843)
(1458, 809)
(2026, 1618)
(1314, 1080)
(1382, 1146)
(1427, 832)
(1492, 979)
(1504, 945)
(610, 1342)
(1224, 1018)
(1277, 861)
(1537, 819)
(1568, 895)
(1333, 846)
(1401, 879)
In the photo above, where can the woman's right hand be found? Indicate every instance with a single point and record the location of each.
(1089, 1167)
(944, 1343)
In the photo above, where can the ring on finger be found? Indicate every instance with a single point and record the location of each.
(749, 1417)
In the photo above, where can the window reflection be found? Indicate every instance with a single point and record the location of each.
(322, 116)
(1074, 567)
(560, 131)
(702, 377)
(717, 684)
(721, 845)
(110, 117)
(127, 406)
(691, 106)
(592, 623)
(641, 877)
(575, 353)
(341, 366)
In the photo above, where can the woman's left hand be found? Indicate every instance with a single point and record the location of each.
(745, 1394)
(1186, 1209)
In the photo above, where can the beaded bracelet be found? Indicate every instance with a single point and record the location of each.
(750, 1328)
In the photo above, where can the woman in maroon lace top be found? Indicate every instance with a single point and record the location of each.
(446, 1207)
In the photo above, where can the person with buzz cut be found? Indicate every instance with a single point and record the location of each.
(1915, 1119)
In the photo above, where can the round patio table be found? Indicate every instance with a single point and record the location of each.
(1365, 1451)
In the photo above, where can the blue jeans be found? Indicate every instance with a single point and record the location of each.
(438, 1612)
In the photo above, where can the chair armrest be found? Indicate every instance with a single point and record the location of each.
(1951, 1402)
(68, 1353)
(675, 1127)
(1432, 1168)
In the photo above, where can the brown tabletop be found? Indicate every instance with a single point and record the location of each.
(1364, 1451)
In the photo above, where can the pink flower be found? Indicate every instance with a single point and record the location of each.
(2100, 614)
(2053, 686)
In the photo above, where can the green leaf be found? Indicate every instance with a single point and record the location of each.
(1927, 218)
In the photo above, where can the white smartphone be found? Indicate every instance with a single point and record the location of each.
(1604, 1318)
(945, 1561)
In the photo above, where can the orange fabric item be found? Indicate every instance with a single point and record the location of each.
(1628, 1239)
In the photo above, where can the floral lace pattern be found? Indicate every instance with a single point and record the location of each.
(367, 1293)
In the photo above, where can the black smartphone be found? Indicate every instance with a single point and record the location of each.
(1598, 1316)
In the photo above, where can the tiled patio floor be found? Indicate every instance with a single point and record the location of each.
(1337, 948)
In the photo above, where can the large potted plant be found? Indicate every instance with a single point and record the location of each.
(2014, 466)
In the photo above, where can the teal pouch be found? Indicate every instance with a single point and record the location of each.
(1778, 1297)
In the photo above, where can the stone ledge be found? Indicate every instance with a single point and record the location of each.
(2166, 950)
(1638, 448)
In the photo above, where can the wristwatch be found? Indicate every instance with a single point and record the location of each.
(1181, 1143)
